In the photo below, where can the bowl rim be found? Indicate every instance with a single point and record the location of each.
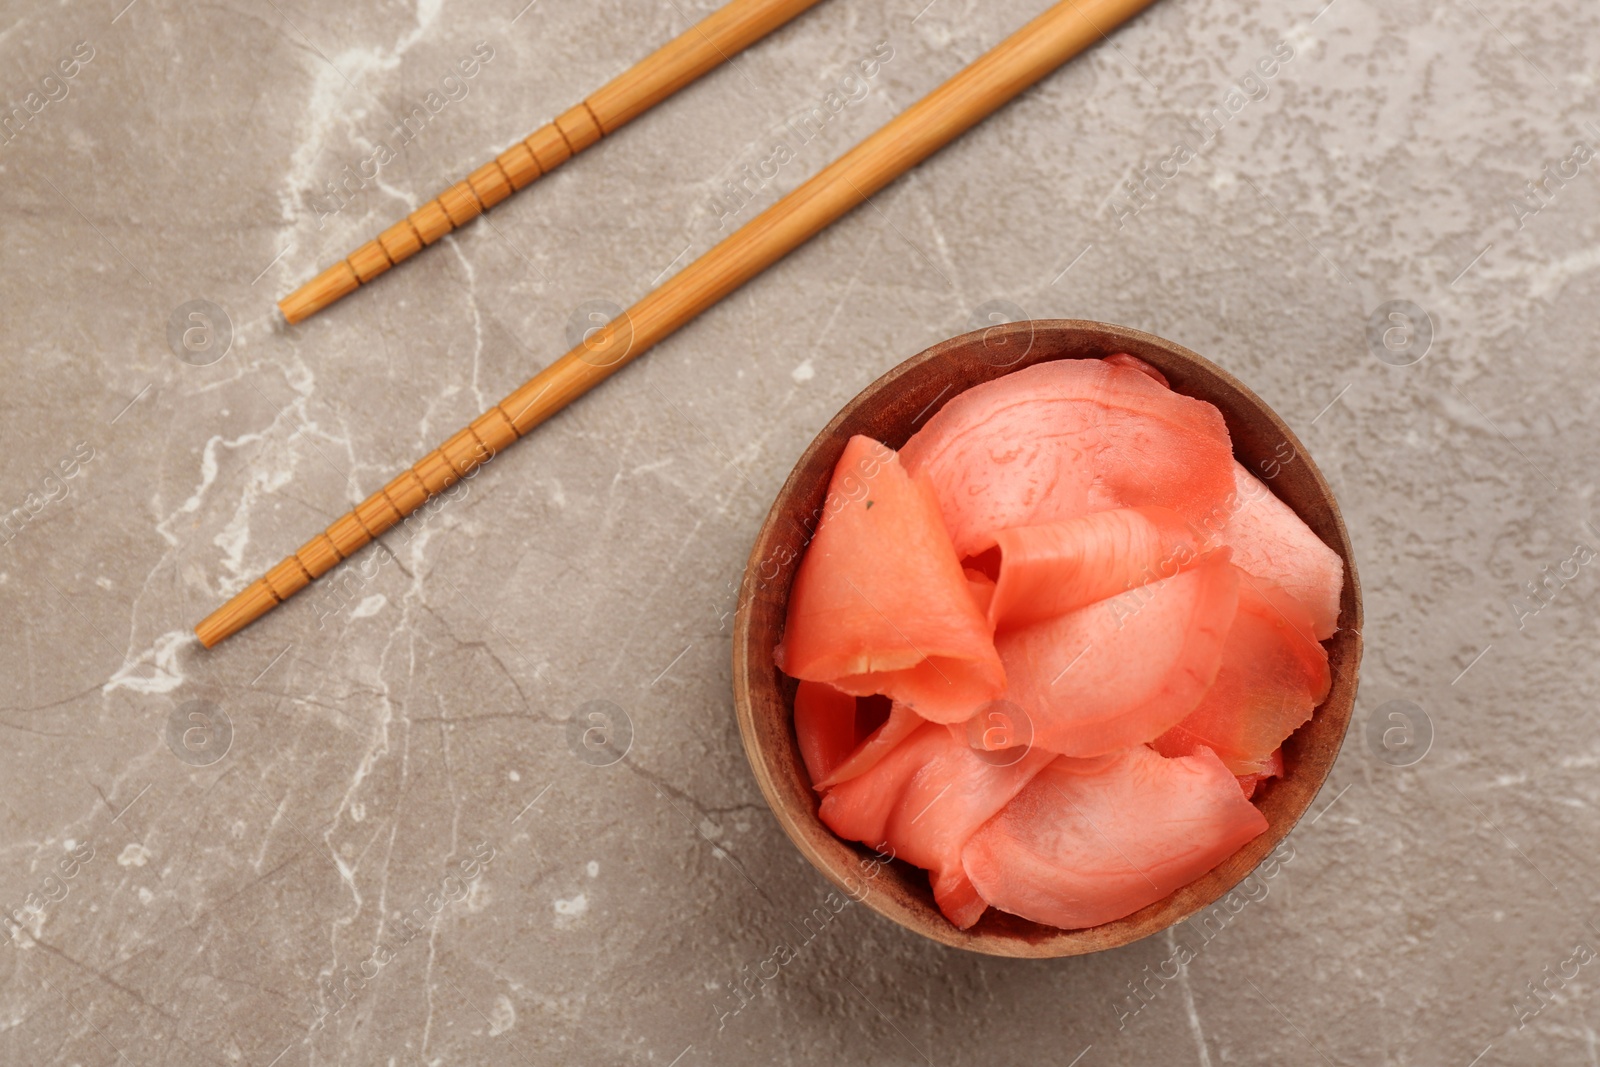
(1041, 941)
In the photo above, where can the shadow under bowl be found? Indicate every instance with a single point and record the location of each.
(890, 410)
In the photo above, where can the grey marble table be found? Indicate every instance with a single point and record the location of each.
(362, 833)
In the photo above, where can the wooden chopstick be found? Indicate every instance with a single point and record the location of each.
(1049, 40)
(697, 50)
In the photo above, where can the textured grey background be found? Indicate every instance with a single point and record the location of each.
(378, 738)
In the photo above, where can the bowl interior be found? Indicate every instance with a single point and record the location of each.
(890, 410)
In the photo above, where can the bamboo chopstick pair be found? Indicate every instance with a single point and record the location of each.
(1061, 32)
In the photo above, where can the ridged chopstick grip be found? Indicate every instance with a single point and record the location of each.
(697, 50)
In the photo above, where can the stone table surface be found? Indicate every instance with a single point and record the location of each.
(208, 857)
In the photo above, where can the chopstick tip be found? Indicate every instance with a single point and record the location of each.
(252, 602)
(336, 282)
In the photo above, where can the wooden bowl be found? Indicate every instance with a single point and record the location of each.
(890, 410)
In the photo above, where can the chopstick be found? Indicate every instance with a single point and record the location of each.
(1052, 38)
(699, 49)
